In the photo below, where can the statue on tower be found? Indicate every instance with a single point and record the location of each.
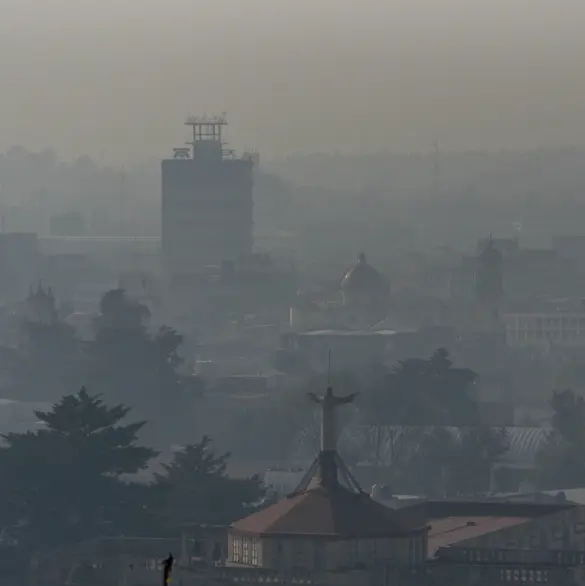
(329, 403)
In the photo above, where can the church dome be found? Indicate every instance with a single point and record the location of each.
(363, 278)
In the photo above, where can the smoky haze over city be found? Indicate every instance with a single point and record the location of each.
(471, 74)
(292, 293)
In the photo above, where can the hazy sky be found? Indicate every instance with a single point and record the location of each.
(116, 77)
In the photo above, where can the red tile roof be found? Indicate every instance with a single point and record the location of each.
(326, 512)
(451, 530)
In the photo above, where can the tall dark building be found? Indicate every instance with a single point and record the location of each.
(207, 201)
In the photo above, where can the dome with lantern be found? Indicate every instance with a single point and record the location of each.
(364, 284)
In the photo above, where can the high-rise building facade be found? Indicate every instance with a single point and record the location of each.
(207, 202)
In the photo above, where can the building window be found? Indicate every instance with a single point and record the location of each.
(237, 549)
(254, 551)
(246, 551)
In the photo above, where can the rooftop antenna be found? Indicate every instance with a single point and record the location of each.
(329, 369)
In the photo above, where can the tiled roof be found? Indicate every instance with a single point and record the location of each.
(452, 530)
(325, 512)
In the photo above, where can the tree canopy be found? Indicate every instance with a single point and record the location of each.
(70, 480)
(423, 392)
(196, 488)
(62, 482)
(560, 462)
(129, 363)
(125, 361)
(427, 412)
(118, 311)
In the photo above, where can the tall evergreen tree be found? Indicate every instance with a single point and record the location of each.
(129, 363)
(560, 462)
(62, 482)
(196, 488)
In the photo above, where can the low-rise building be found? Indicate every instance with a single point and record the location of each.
(544, 330)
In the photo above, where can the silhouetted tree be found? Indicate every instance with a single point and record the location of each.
(118, 311)
(560, 463)
(131, 364)
(469, 471)
(425, 413)
(195, 488)
(62, 482)
(423, 392)
(568, 415)
(449, 391)
(425, 468)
